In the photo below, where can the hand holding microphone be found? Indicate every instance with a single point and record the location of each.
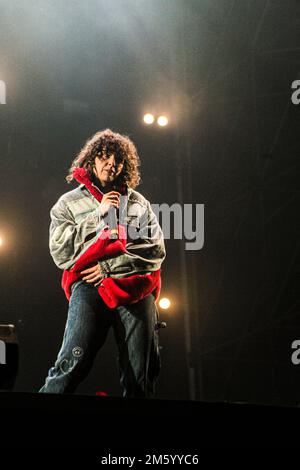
(110, 199)
(108, 206)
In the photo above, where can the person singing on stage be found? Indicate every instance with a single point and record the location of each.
(109, 281)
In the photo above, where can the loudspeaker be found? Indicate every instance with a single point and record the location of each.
(9, 356)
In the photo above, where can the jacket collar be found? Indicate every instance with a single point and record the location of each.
(81, 175)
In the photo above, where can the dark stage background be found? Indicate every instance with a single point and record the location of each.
(223, 71)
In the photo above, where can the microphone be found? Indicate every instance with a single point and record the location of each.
(112, 221)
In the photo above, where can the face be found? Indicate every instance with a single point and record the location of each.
(107, 169)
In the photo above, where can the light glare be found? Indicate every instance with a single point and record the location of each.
(162, 121)
(164, 303)
(148, 118)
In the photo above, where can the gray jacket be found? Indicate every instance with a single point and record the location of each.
(76, 223)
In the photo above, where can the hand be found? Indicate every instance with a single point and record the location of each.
(93, 274)
(110, 199)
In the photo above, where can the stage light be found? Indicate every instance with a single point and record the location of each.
(162, 121)
(148, 118)
(1, 241)
(164, 303)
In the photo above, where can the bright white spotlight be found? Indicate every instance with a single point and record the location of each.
(164, 303)
(162, 121)
(1, 241)
(148, 118)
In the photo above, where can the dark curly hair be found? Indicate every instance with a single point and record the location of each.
(107, 142)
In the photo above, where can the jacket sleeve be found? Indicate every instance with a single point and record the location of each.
(144, 253)
(68, 239)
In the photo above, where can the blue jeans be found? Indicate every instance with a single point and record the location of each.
(88, 323)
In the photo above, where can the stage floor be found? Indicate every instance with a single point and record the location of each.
(30, 420)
